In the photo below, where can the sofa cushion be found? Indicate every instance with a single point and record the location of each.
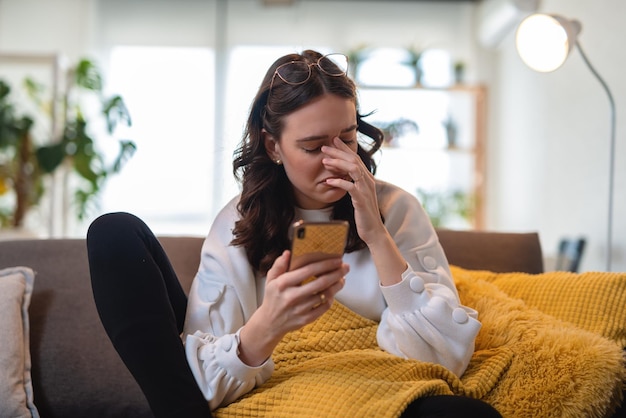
(184, 254)
(16, 388)
(493, 251)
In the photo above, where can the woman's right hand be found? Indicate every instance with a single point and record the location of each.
(289, 305)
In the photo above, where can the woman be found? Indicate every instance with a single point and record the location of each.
(301, 158)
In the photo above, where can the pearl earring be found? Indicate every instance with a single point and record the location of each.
(278, 161)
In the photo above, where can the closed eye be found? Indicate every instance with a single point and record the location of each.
(314, 143)
(312, 150)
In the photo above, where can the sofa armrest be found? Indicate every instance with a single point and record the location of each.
(494, 251)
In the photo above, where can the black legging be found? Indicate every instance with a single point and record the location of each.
(142, 307)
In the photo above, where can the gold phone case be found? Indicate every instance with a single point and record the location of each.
(315, 241)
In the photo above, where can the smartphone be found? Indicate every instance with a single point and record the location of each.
(315, 241)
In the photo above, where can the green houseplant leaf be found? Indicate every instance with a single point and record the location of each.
(115, 111)
(50, 157)
(87, 75)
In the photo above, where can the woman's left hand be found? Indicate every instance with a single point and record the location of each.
(359, 182)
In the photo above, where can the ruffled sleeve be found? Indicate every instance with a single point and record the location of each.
(219, 372)
(426, 322)
(223, 296)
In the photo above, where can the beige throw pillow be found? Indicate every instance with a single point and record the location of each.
(16, 388)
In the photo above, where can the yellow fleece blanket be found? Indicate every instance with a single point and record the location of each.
(526, 364)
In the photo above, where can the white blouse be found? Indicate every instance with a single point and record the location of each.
(420, 318)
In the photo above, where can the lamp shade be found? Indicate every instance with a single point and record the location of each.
(544, 41)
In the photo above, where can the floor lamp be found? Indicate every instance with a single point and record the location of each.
(543, 42)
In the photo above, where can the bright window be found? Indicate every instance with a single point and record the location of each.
(170, 95)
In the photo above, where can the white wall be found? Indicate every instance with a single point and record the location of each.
(549, 154)
(548, 139)
(39, 26)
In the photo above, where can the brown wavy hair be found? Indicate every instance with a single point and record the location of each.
(267, 199)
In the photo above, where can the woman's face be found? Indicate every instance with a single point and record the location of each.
(299, 148)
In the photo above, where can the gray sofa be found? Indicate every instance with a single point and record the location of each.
(77, 373)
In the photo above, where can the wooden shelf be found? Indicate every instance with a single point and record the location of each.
(472, 102)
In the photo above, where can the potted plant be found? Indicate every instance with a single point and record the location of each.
(445, 207)
(355, 57)
(451, 131)
(459, 72)
(397, 128)
(24, 165)
(415, 55)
